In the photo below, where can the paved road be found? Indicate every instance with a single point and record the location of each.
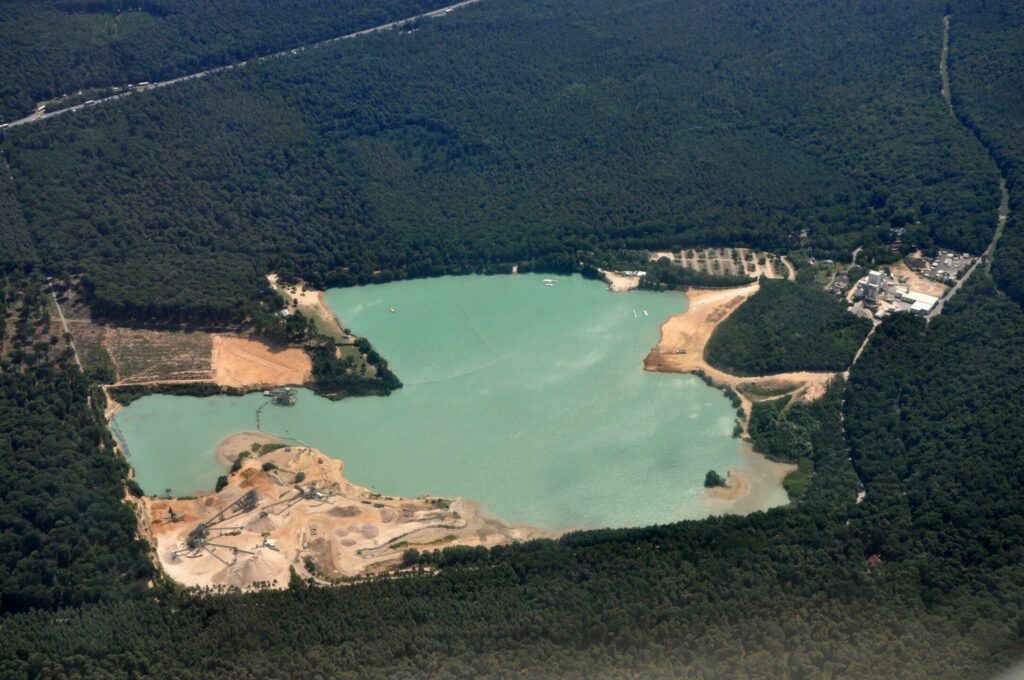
(132, 89)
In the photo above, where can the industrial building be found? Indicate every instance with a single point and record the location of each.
(882, 293)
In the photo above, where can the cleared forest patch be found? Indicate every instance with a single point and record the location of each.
(141, 355)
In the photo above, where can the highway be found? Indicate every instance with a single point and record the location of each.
(128, 90)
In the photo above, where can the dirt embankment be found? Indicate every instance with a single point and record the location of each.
(305, 515)
(685, 335)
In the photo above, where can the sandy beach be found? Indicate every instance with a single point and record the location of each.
(310, 301)
(619, 283)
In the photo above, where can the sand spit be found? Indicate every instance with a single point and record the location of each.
(230, 447)
(305, 514)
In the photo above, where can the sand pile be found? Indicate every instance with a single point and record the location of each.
(264, 523)
(264, 567)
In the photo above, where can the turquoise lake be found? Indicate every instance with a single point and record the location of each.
(528, 398)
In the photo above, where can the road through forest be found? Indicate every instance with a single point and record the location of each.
(40, 116)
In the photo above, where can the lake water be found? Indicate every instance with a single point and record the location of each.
(528, 398)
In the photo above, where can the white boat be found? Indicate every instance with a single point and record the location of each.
(634, 314)
(645, 313)
(392, 310)
(550, 281)
(550, 285)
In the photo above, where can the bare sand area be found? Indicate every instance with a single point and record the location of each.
(300, 512)
(240, 362)
(684, 337)
(619, 283)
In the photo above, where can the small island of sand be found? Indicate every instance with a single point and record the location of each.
(292, 508)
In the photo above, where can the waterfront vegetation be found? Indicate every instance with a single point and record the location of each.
(784, 327)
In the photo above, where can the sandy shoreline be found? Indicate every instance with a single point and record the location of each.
(310, 301)
(685, 335)
(619, 283)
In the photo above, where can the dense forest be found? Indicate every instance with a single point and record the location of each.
(50, 48)
(65, 537)
(987, 99)
(510, 133)
(784, 327)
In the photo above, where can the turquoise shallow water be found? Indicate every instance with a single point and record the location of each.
(528, 398)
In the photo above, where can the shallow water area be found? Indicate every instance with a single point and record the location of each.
(527, 397)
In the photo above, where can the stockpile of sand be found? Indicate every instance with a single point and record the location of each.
(249, 569)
